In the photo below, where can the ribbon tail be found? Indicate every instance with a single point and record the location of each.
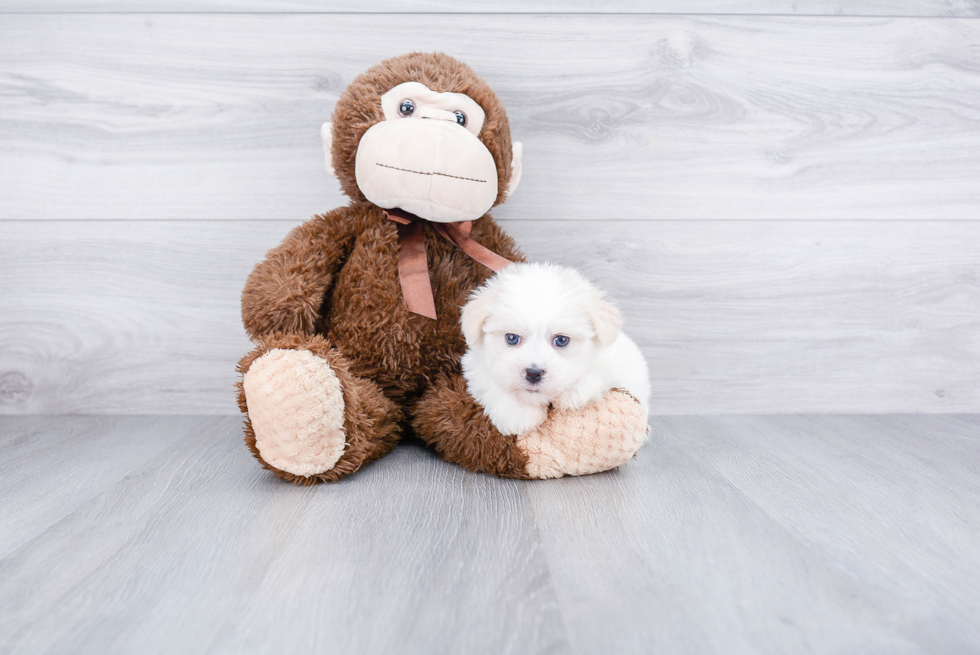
(413, 266)
(413, 270)
(458, 233)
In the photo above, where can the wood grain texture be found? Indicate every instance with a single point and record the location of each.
(40, 487)
(198, 550)
(725, 535)
(773, 535)
(217, 116)
(957, 8)
(136, 317)
(95, 315)
(926, 545)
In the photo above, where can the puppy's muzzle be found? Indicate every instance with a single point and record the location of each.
(533, 374)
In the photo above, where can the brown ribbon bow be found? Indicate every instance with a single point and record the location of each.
(413, 266)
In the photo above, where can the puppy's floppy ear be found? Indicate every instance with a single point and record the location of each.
(475, 313)
(606, 320)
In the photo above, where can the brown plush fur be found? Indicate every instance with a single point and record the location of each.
(332, 288)
(358, 297)
(450, 421)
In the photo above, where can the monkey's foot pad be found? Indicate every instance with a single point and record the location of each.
(598, 437)
(296, 409)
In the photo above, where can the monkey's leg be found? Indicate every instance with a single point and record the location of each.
(598, 437)
(308, 419)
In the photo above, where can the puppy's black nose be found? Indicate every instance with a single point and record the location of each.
(533, 375)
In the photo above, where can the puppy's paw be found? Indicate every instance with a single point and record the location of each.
(513, 421)
(598, 437)
(572, 400)
(509, 416)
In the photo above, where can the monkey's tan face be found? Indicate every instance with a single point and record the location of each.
(426, 156)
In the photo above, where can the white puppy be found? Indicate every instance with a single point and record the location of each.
(540, 335)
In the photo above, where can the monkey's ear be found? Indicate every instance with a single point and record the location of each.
(326, 133)
(515, 169)
(606, 321)
(474, 314)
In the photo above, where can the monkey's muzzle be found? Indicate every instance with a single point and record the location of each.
(435, 169)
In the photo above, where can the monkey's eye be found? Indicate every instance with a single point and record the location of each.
(460, 117)
(407, 108)
(513, 339)
(561, 341)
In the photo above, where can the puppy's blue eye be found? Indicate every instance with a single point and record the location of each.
(561, 341)
(513, 339)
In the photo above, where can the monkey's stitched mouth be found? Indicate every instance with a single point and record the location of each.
(406, 170)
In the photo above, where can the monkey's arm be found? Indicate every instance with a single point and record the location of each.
(598, 437)
(285, 291)
(449, 420)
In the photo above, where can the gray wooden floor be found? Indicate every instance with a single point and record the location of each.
(851, 534)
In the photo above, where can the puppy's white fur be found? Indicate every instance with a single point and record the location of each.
(539, 302)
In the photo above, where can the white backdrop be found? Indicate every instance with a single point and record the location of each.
(785, 206)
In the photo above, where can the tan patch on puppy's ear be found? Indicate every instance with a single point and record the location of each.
(606, 320)
(473, 315)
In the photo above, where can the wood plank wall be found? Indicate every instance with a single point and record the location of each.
(783, 197)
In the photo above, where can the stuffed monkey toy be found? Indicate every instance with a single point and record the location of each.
(355, 316)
